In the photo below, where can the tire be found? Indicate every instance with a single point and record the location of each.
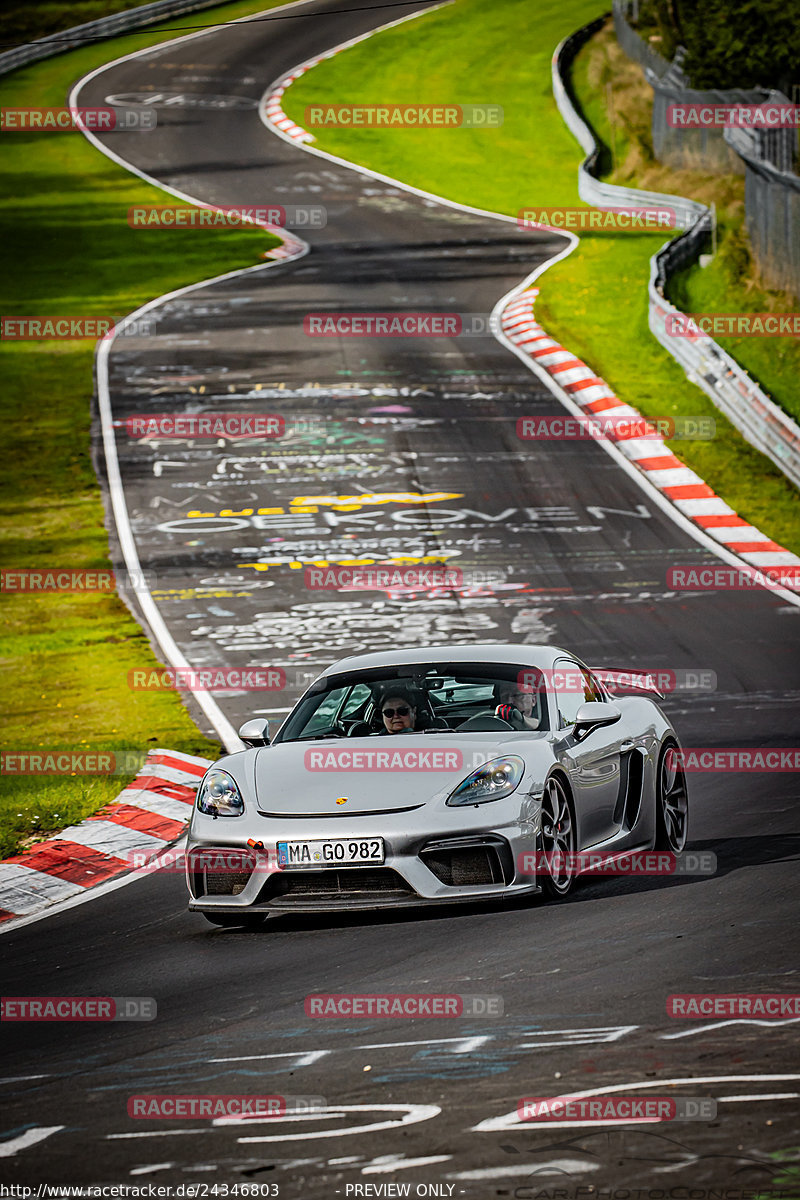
(231, 921)
(558, 839)
(672, 801)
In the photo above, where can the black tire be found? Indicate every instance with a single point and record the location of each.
(232, 921)
(672, 801)
(558, 839)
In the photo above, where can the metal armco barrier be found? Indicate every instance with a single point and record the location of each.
(730, 388)
(104, 27)
(590, 189)
(759, 419)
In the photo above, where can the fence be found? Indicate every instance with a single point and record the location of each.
(636, 47)
(772, 213)
(104, 27)
(705, 148)
(731, 390)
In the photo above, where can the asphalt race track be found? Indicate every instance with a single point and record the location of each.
(581, 553)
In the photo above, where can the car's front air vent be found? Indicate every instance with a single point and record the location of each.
(464, 866)
(359, 884)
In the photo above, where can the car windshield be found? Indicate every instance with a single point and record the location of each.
(445, 697)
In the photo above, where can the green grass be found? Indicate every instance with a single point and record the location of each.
(595, 301)
(64, 658)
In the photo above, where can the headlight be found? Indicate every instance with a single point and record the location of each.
(492, 781)
(219, 796)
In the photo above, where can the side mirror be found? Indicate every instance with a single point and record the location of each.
(255, 732)
(595, 715)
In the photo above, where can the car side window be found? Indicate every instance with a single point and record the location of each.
(359, 695)
(325, 715)
(573, 686)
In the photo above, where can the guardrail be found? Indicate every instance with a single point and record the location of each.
(733, 392)
(103, 27)
(729, 387)
(593, 190)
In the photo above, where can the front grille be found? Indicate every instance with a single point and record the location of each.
(220, 870)
(225, 883)
(464, 866)
(333, 884)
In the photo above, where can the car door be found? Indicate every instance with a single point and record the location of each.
(594, 761)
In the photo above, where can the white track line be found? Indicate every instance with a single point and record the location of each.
(30, 1137)
(512, 1121)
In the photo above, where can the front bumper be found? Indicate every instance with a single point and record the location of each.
(455, 858)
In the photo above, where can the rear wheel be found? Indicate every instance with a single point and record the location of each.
(232, 921)
(672, 801)
(559, 839)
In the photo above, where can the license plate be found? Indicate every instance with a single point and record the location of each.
(336, 852)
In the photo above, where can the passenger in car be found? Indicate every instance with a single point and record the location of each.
(515, 705)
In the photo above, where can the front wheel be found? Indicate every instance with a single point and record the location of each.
(672, 801)
(559, 839)
(233, 921)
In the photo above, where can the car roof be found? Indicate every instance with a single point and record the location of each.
(480, 652)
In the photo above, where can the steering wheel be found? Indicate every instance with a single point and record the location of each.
(484, 722)
(360, 729)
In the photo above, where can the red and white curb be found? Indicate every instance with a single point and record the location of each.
(149, 814)
(271, 106)
(274, 109)
(678, 483)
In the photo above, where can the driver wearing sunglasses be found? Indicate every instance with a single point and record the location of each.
(399, 712)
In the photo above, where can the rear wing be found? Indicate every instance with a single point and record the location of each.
(622, 679)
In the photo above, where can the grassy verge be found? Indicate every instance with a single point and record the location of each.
(65, 658)
(595, 301)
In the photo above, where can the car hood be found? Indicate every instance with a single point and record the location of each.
(307, 778)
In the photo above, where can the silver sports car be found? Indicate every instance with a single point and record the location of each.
(442, 773)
